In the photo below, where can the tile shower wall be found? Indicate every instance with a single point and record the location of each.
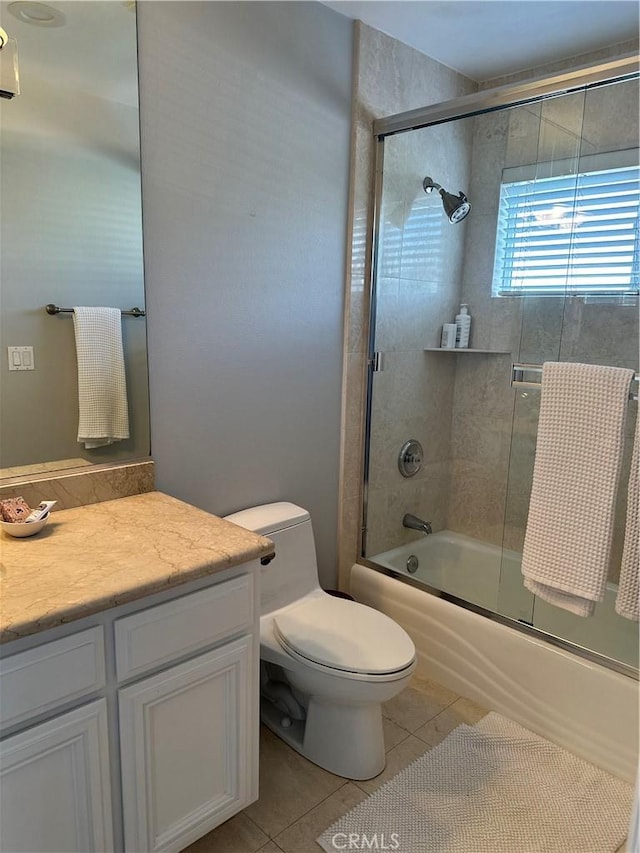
(483, 398)
(390, 77)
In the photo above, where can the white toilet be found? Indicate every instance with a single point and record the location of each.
(327, 664)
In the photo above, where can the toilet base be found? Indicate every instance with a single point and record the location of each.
(344, 739)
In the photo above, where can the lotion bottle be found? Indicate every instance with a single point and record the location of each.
(463, 327)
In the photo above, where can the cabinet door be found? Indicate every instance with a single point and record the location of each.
(55, 785)
(188, 740)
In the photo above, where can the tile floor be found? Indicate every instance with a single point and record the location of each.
(299, 800)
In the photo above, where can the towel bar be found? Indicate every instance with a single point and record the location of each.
(519, 373)
(53, 309)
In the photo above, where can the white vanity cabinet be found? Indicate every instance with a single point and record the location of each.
(188, 734)
(55, 785)
(138, 731)
(185, 741)
(55, 776)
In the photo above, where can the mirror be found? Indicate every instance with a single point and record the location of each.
(71, 223)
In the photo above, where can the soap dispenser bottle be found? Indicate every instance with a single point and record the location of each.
(463, 327)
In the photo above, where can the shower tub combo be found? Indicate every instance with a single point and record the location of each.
(476, 628)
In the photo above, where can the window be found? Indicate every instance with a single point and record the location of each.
(563, 234)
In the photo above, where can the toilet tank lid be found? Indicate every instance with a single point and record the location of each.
(269, 518)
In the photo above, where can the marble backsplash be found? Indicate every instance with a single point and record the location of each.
(90, 485)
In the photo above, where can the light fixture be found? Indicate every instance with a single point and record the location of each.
(38, 14)
(9, 77)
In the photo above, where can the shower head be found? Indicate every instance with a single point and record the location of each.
(455, 206)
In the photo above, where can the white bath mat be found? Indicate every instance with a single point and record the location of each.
(493, 787)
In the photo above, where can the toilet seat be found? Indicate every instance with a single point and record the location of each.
(345, 636)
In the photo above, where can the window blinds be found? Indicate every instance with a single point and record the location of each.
(569, 234)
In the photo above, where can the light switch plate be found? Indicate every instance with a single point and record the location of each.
(21, 358)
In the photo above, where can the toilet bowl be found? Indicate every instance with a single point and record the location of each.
(326, 664)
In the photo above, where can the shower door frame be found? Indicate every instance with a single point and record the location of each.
(625, 67)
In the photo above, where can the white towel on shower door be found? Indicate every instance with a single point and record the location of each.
(628, 597)
(583, 409)
(102, 386)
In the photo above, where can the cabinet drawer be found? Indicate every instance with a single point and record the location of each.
(164, 633)
(47, 676)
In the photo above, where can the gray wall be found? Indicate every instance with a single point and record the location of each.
(245, 116)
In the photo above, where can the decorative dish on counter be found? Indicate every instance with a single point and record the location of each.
(19, 520)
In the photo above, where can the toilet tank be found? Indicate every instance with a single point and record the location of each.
(294, 571)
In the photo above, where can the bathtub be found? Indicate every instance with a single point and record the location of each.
(490, 578)
(588, 708)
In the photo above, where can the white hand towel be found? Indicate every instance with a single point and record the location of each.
(583, 409)
(628, 597)
(102, 386)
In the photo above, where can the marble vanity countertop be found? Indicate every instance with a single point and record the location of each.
(91, 558)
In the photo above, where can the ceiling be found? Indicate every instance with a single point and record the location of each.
(488, 38)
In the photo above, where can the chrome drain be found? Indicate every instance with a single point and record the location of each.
(412, 564)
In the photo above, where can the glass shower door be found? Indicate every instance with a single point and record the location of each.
(477, 433)
(576, 137)
(407, 398)
(425, 393)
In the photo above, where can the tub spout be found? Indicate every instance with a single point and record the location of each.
(415, 523)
